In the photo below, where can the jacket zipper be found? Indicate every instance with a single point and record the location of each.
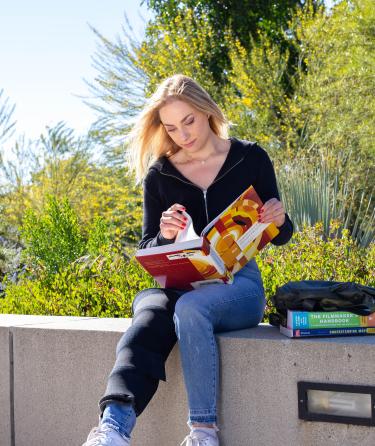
(204, 190)
(205, 203)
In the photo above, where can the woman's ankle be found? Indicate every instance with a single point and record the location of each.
(121, 416)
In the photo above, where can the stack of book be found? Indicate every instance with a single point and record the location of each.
(299, 324)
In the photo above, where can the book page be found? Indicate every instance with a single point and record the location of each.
(250, 191)
(188, 232)
(202, 262)
(236, 234)
(251, 234)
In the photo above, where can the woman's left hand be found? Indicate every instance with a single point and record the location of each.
(272, 211)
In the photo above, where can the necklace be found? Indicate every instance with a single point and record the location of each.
(201, 161)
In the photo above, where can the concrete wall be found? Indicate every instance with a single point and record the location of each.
(5, 386)
(61, 365)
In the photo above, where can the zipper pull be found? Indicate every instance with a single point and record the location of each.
(205, 203)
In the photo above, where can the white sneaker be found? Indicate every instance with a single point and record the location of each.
(197, 438)
(105, 436)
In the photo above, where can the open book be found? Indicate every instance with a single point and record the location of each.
(225, 245)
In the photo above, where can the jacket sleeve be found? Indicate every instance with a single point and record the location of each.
(266, 188)
(152, 210)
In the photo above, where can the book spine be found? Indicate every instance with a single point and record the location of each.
(352, 331)
(332, 319)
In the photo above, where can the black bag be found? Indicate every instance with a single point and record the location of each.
(321, 295)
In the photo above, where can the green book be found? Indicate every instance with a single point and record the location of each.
(327, 319)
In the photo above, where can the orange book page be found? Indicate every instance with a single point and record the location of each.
(237, 235)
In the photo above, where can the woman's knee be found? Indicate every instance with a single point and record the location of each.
(188, 311)
(188, 305)
(147, 296)
(156, 298)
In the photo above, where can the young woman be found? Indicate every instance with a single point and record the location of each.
(181, 150)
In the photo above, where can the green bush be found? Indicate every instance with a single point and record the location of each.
(101, 286)
(105, 285)
(53, 239)
(99, 240)
(309, 256)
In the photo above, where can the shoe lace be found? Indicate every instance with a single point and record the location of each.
(96, 436)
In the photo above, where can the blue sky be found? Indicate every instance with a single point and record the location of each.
(45, 53)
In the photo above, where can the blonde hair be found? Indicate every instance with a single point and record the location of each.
(148, 139)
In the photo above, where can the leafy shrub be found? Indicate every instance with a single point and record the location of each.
(98, 237)
(71, 268)
(105, 285)
(53, 239)
(101, 286)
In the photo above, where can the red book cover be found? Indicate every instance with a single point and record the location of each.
(184, 267)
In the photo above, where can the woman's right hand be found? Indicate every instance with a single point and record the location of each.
(172, 221)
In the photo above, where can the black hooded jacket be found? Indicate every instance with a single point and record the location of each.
(246, 164)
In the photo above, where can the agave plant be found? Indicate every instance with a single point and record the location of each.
(317, 194)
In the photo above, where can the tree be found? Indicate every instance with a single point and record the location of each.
(60, 165)
(118, 91)
(330, 115)
(178, 47)
(7, 124)
(258, 105)
(9, 248)
(243, 19)
(50, 165)
(63, 159)
(312, 112)
(337, 94)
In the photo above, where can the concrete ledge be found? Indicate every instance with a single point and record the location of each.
(5, 386)
(61, 365)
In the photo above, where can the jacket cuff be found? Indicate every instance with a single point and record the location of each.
(160, 240)
(285, 234)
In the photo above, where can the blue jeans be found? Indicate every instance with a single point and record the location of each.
(198, 315)
(201, 313)
(120, 417)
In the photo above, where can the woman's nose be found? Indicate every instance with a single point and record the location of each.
(184, 135)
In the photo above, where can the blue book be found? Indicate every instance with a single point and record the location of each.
(309, 332)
